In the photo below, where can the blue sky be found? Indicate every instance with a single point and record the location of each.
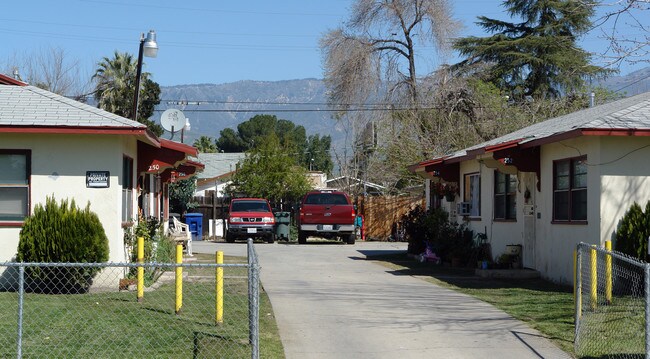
(204, 41)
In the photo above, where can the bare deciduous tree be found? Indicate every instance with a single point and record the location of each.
(625, 26)
(377, 47)
(51, 69)
(373, 57)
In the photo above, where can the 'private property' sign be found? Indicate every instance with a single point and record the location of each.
(97, 179)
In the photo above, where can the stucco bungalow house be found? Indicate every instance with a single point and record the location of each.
(551, 185)
(53, 145)
(219, 168)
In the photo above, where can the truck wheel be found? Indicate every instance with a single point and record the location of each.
(302, 237)
(230, 238)
(351, 238)
(270, 239)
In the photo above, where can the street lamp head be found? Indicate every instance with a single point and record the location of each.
(150, 45)
(187, 126)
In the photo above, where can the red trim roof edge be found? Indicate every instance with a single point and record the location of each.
(6, 80)
(503, 145)
(181, 147)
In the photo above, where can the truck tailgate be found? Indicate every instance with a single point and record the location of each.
(328, 214)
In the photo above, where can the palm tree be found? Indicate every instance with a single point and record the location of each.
(205, 145)
(114, 86)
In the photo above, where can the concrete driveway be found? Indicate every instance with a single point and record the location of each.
(329, 303)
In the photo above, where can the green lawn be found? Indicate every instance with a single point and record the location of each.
(115, 325)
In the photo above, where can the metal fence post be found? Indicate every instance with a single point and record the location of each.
(21, 295)
(253, 303)
(578, 293)
(647, 311)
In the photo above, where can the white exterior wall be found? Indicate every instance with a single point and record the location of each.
(500, 233)
(625, 176)
(556, 241)
(618, 175)
(58, 167)
(215, 185)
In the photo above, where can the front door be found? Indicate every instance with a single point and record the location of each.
(530, 189)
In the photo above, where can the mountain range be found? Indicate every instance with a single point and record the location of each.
(213, 107)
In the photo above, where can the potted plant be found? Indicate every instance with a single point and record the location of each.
(450, 191)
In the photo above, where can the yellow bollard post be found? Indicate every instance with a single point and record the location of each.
(608, 273)
(594, 279)
(179, 278)
(140, 269)
(219, 289)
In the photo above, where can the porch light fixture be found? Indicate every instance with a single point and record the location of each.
(148, 48)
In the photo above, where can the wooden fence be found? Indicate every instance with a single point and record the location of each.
(211, 207)
(380, 212)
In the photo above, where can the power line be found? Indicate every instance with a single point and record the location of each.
(229, 102)
(306, 110)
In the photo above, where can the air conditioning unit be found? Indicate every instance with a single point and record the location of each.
(463, 208)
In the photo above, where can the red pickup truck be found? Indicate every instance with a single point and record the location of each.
(327, 214)
(250, 218)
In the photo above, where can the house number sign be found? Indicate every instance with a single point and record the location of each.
(98, 179)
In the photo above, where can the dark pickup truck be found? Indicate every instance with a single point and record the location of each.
(326, 214)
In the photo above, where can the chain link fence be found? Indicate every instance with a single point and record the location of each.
(59, 310)
(612, 304)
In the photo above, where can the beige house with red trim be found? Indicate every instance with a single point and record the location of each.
(551, 185)
(52, 145)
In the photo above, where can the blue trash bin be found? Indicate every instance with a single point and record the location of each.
(195, 221)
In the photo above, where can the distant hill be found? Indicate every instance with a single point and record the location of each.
(209, 114)
(212, 107)
(631, 84)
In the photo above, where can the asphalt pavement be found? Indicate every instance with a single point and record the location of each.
(330, 302)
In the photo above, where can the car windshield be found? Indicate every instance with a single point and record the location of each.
(326, 198)
(250, 206)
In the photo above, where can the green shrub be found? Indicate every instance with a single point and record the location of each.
(158, 247)
(62, 233)
(434, 228)
(633, 232)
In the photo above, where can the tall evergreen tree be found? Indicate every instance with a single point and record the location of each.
(539, 56)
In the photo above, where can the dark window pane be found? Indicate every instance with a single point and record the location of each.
(561, 206)
(562, 175)
(579, 205)
(499, 207)
(512, 183)
(14, 169)
(511, 207)
(13, 203)
(580, 181)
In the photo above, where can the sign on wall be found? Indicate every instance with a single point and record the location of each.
(98, 179)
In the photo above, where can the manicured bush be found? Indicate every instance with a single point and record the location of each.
(633, 231)
(62, 233)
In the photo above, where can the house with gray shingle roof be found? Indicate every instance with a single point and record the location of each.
(53, 145)
(219, 168)
(549, 186)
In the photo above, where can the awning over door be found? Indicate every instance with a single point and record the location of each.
(170, 155)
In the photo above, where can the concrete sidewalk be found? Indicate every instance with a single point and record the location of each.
(329, 303)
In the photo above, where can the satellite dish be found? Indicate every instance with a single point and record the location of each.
(172, 120)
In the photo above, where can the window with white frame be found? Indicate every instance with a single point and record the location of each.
(505, 195)
(472, 193)
(14, 185)
(127, 189)
(570, 190)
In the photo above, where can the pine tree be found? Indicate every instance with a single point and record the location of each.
(539, 56)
